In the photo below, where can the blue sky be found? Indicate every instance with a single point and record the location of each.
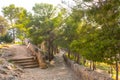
(27, 4)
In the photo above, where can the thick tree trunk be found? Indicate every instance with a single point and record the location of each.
(94, 66)
(49, 50)
(116, 69)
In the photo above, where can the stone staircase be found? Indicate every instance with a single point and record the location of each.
(27, 62)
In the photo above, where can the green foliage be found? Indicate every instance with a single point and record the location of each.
(10, 12)
(22, 24)
(3, 25)
(99, 33)
(99, 39)
(45, 23)
(18, 18)
(68, 32)
(41, 23)
(7, 38)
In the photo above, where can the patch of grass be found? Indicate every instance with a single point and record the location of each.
(106, 67)
(103, 66)
(19, 43)
(114, 75)
(0, 46)
(4, 45)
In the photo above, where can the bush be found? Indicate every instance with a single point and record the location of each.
(7, 38)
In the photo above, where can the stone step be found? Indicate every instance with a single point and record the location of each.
(24, 61)
(31, 66)
(25, 58)
(28, 62)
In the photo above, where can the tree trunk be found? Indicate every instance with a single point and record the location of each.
(78, 58)
(55, 49)
(75, 56)
(14, 35)
(94, 66)
(13, 31)
(50, 49)
(91, 65)
(49, 54)
(111, 71)
(84, 61)
(52, 55)
(116, 64)
(68, 53)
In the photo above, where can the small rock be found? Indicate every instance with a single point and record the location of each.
(43, 66)
(10, 77)
(7, 54)
(19, 70)
(3, 71)
(52, 62)
(1, 77)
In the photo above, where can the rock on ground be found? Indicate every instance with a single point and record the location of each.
(9, 71)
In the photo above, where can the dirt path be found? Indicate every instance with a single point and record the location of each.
(57, 71)
(19, 51)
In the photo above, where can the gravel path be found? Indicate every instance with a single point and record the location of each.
(57, 71)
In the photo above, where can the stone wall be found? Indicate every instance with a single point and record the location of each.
(84, 73)
(38, 54)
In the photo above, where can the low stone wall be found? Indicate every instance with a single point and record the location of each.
(85, 74)
(38, 54)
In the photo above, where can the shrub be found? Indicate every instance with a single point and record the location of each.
(7, 38)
